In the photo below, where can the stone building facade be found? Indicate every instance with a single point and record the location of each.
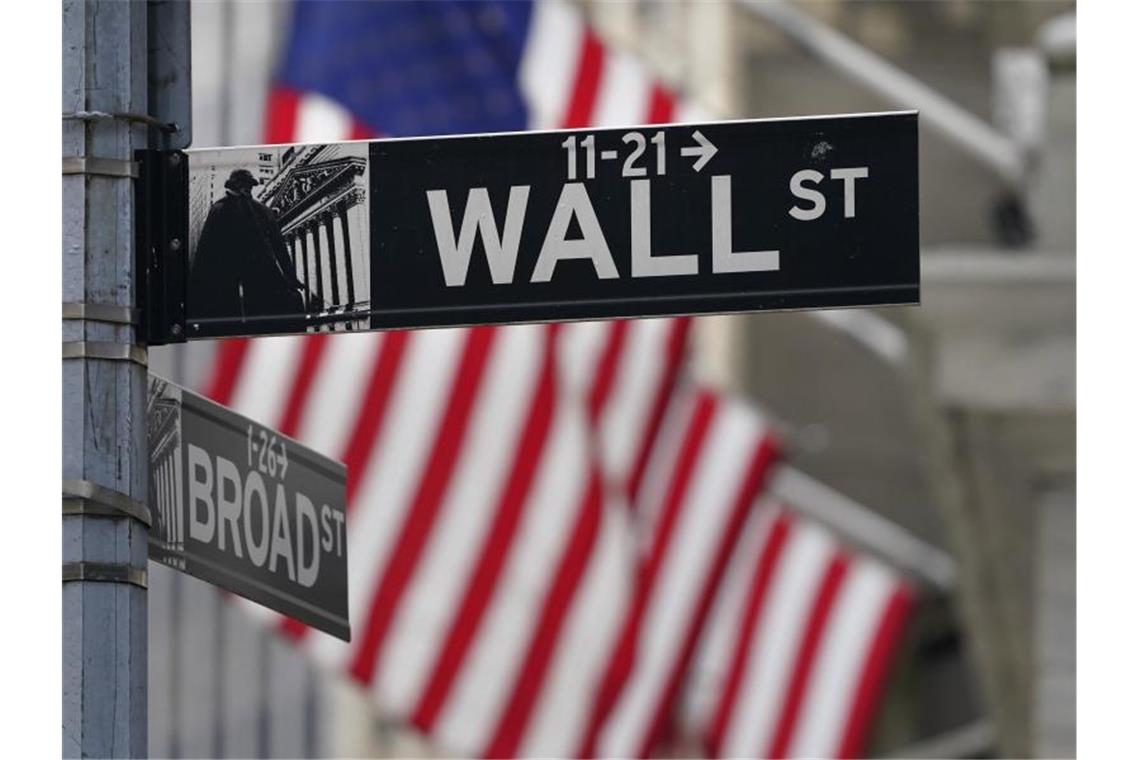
(164, 439)
(320, 198)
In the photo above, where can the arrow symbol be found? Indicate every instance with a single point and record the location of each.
(704, 150)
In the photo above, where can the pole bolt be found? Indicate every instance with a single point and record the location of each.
(176, 244)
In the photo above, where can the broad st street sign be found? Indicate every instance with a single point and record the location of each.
(575, 224)
(240, 506)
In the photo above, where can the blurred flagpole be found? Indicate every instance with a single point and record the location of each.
(955, 123)
(865, 528)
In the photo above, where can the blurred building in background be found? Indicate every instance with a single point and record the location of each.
(949, 428)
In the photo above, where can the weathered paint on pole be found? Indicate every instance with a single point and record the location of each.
(104, 425)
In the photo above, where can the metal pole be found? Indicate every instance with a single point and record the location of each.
(221, 664)
(265, 683)
(105, 459)
(312, 710)
(174, 647)
(866, 528)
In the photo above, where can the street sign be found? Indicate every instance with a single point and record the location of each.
(543, 226)
(245, 508)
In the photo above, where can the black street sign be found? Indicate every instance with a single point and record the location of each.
(544, 226)
(245, 508)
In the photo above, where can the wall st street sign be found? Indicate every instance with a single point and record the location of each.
(576, 224)
(240, 506)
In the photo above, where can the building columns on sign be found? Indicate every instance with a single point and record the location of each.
(324, 262)
(177, 502)
(340, 246)
(317, 191)
(356, 225)
(299, 240)
(342, 217)
(168, 492)
(325, 222)
(298, 258)
(167, 501)
(291, 247)
(315, 262)
(161, 519)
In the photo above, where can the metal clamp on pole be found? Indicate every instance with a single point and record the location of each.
(134, 118)
(104, 572)
(99, 312)
(162, 230)
(82, 497)
(115, 352)
(103, 167)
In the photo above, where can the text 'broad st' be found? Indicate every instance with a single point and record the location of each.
(244, 508)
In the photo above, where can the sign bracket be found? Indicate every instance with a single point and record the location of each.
(161, 242)
(82, 497)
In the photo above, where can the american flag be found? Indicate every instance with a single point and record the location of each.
(555, 543)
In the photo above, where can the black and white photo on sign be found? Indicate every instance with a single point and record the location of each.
(164, 440)
(281, 231)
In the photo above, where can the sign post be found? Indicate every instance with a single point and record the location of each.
(104, 477)
(738, 216)
(242, 507)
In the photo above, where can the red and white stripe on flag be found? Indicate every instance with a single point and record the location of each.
(796, 653)
(489, 532)
(709, 463)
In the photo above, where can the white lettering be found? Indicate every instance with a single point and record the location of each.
(339, 517)
(281, 547)
(326, 528)
(225, 509)
(849, 176)
(644, 263)
(258, 550)
(229, 503)
(574, 201)
(200, 490)
(455, 255)
(815, 197)
(307, 524)
(726, 260)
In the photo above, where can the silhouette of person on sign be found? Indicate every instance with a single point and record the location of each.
(242, 267)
